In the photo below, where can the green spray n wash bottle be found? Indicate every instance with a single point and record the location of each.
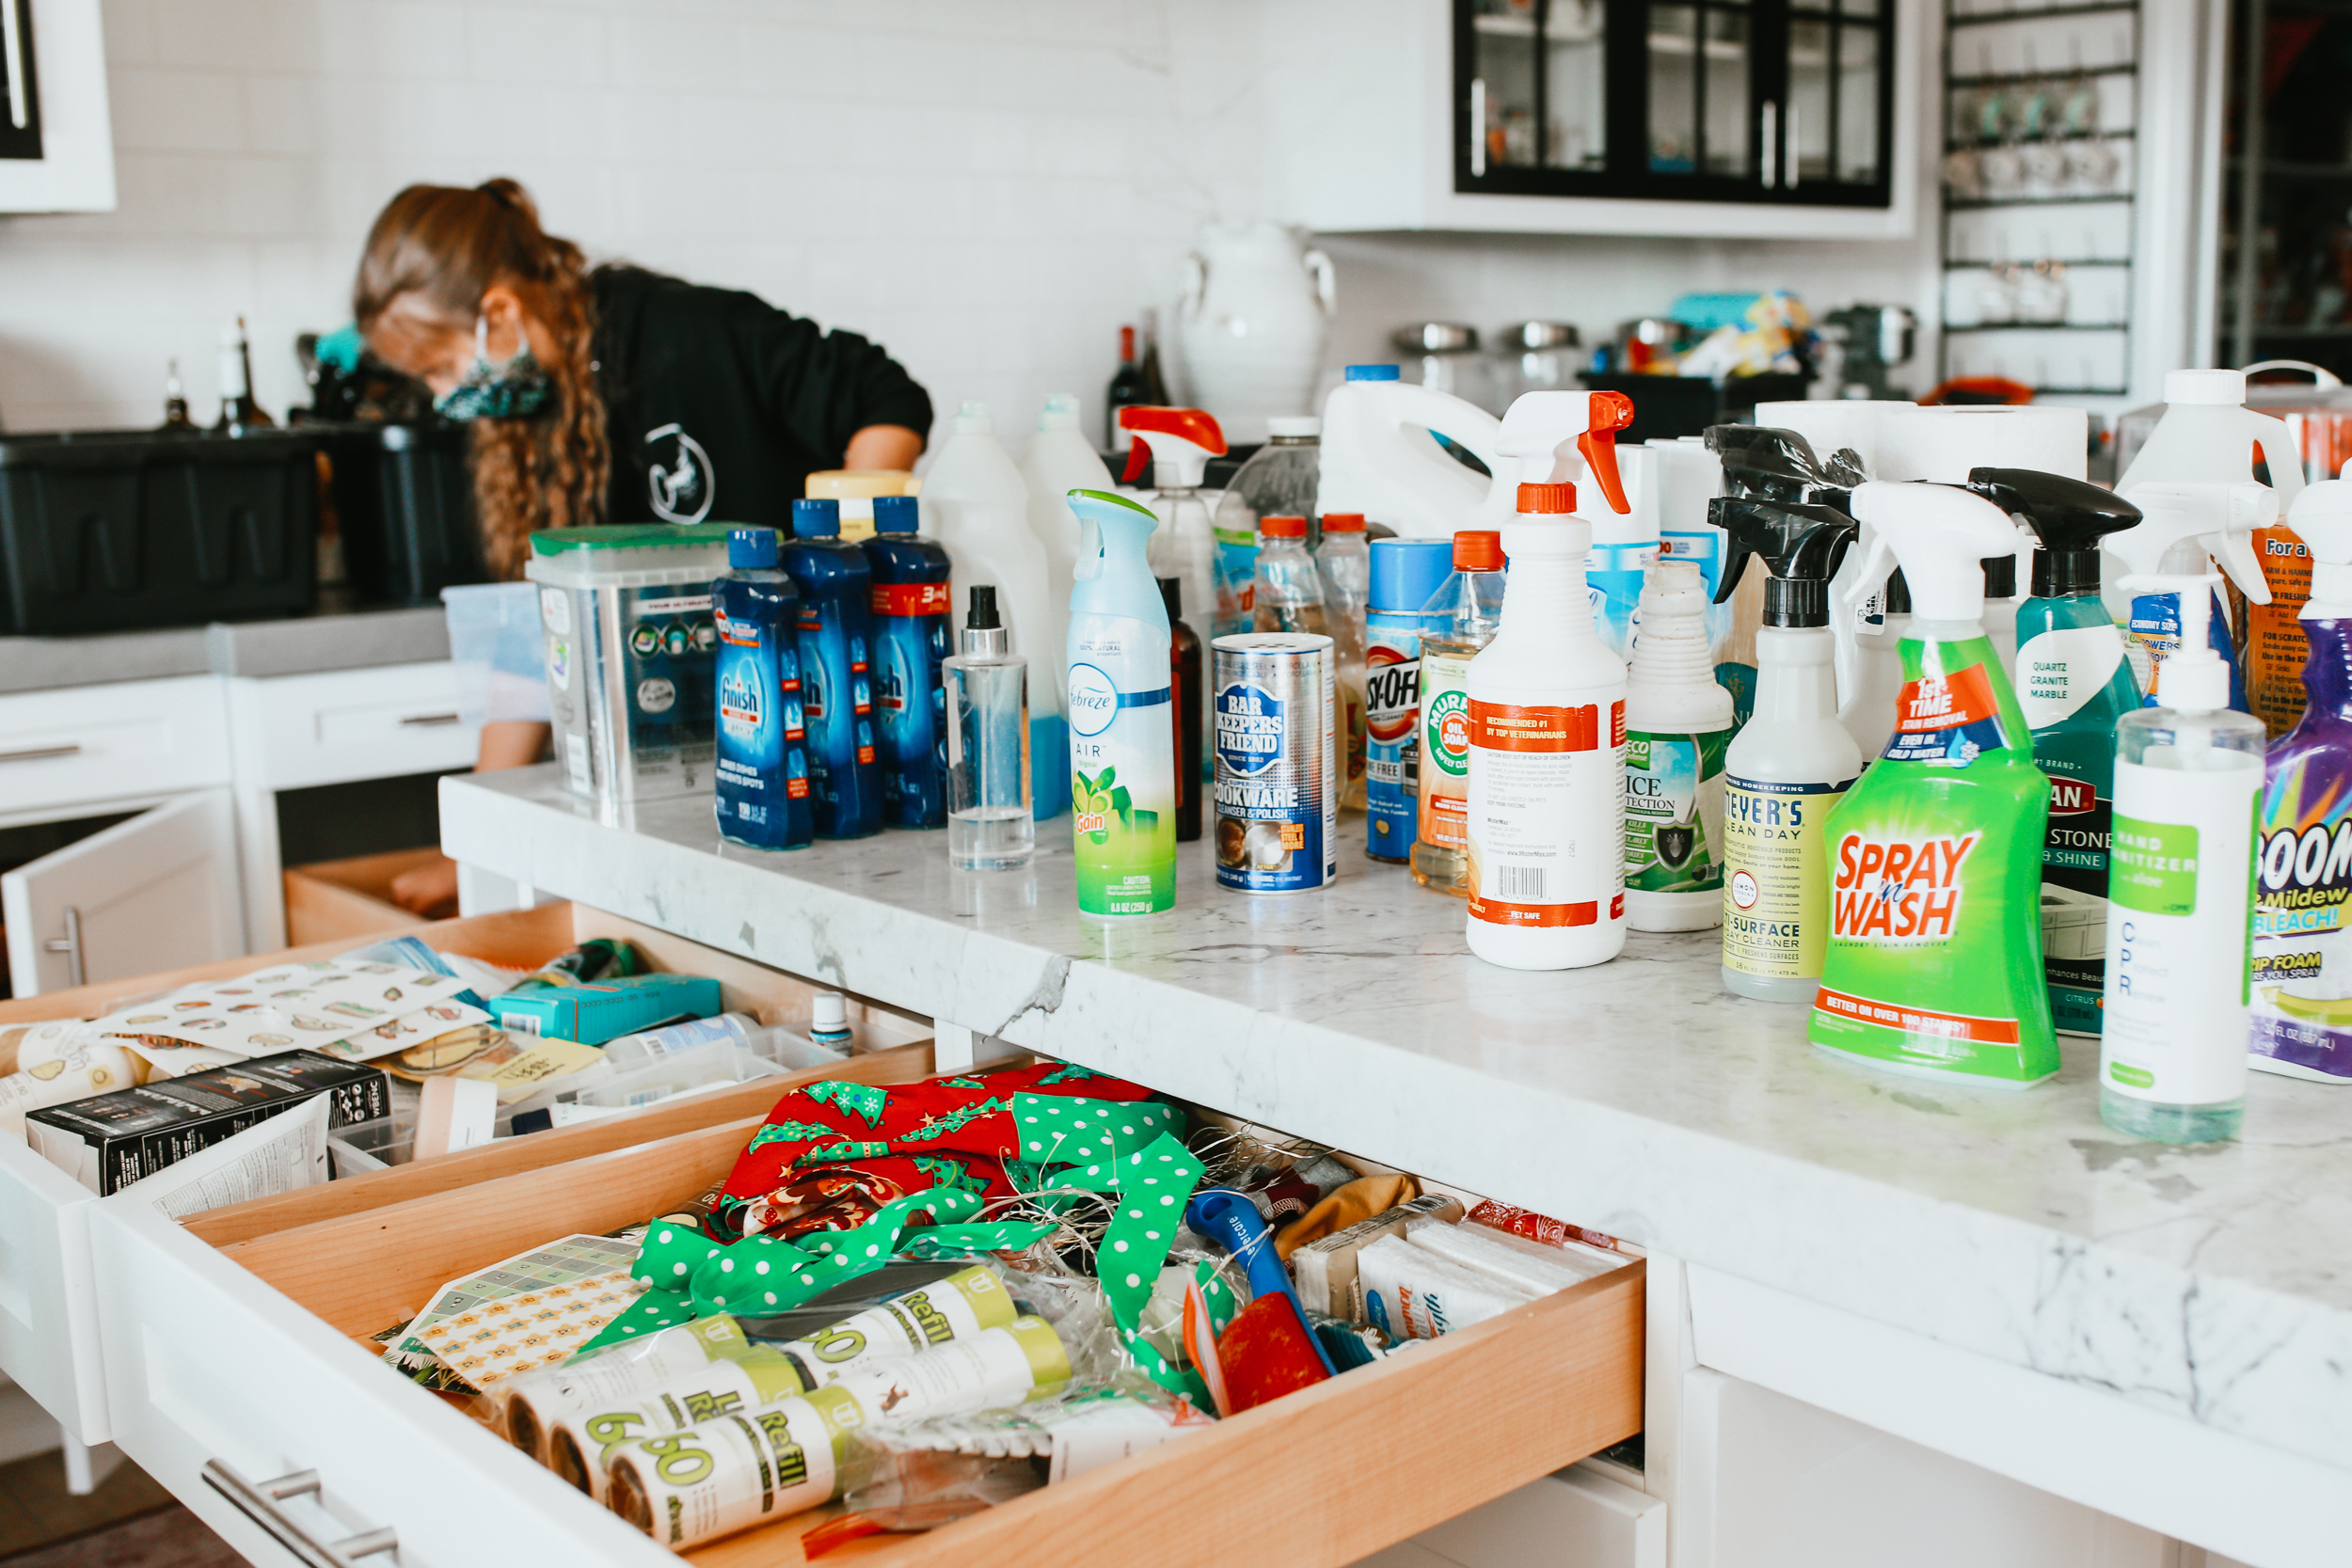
(1122, 733)
(1934, 960)
(2073, 683)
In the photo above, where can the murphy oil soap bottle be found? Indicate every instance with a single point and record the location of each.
(1122, 742)
(1546, 805)
(2300, 1023)
(1934, 960)
(2074, 684)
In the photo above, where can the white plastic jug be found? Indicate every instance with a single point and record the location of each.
(974, 502)
(1379, 458)
(1060, 459)
(2208, 435)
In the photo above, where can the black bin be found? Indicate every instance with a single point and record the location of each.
(403, 501)
(116, 531)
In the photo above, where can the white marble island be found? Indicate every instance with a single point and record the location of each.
(2160, 1333)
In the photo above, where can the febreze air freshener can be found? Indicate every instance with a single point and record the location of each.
(1278, 786)
(1122, 743)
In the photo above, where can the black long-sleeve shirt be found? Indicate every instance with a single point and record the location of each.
(719, 405)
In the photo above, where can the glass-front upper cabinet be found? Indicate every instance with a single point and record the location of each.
(1784, 101)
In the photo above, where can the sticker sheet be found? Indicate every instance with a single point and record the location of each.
(350, 1008)
(487, 1344)
(564, 1261)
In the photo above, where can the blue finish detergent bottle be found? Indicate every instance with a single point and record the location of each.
(762, 793)
(836, 696)
(910, 619)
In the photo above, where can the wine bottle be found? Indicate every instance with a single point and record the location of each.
(1154, 384)
(176, 402)
(239, 413)
(1126, 390)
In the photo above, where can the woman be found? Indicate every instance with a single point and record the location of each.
(608, 395)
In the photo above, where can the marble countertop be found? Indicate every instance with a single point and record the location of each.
(335, 639)
(1636, 1097)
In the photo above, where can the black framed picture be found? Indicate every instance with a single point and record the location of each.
(56, 147)
(19, 83)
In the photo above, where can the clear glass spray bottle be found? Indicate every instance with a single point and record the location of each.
(989, 825)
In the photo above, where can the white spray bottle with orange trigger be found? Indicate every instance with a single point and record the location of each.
(1176, 445)
(2181, 524)
(1546, 818)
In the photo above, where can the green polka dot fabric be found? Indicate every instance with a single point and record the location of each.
(1067, 1130)
(649, 1313)
(965, 1240)
(671, 1254)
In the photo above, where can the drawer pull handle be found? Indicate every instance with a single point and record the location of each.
(76, 969)
(259, 1504)
(35, 753)
(428, 721)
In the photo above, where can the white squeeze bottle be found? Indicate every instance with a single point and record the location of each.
(2181, 895)
(976, 504)
(1678, 725)
(1546, 820)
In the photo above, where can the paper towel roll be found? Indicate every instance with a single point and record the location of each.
(1829, 424)
(1943, 443)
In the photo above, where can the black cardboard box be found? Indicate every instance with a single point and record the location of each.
(109, 1141)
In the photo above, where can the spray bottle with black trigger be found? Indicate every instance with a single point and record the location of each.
(1793, 762)
(2073, 683)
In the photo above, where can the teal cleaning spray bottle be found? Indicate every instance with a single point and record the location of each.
(1793, 762)
(1122, 743)
(762, 777)
(1934, 962)
(2073, 683)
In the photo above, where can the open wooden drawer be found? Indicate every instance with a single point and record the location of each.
(249, 1354)
(49, 1313)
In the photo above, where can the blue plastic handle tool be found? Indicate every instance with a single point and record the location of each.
(1226, 1217)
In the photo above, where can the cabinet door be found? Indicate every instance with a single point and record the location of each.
(1779, 102)
(158, 892)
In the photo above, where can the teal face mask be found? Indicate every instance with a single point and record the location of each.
(518, 387)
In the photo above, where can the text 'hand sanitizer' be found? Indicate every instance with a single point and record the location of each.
(1546, 698)
(2172, 1056)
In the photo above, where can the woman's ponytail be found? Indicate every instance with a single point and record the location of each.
(448, 245)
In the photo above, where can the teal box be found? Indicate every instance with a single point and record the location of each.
(608, 1009)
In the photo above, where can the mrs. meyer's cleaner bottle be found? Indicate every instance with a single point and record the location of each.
(1122, 763)
(1793, 762)
(1678, 724)
(762, 776)
(2172, 1059)
(1546, 810)
(2074, 684)
(1934, 962)
(2302, 1008)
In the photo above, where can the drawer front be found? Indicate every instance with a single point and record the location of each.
(207, 1364)
(48, 1304)
(345, 724)
(92, 744)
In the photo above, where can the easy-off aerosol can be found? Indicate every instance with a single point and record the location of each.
(1122, 743)
(1277, 785)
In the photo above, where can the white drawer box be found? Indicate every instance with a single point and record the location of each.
(249, 1345)
(83, 746)
(296, 730)
(49, 1311)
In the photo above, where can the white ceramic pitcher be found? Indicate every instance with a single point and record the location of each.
(1252, 325)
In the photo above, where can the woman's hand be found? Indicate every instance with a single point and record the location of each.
(431, 888)
(884, 446)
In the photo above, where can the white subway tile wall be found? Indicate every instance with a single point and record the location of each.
(989, 190)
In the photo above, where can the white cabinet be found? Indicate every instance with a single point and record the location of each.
(293, 732)
(1362, 101)
(81, 750)
(160, 890)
